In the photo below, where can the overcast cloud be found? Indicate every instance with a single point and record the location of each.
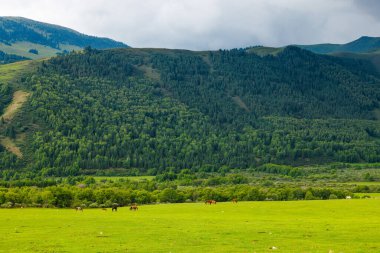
(208, 24)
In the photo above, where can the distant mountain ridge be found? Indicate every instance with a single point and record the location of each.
(33, 39)
(364, 44)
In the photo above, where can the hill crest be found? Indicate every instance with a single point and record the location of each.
(34, 39)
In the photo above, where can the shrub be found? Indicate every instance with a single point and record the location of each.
(93, 205)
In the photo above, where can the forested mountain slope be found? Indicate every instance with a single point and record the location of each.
(155, 110)
(32, 39)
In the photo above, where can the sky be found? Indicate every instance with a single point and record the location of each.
(208, 24)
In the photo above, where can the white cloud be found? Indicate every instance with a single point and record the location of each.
(207, 24)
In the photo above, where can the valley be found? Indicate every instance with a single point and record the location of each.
(254, 149)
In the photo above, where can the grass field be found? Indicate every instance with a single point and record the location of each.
(8, 72)
(302, 226)
(116, 178)
(22, 48)
(361, 183)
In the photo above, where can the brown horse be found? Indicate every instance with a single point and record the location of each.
(134, 208)
(114, 208)
(234, 200)
(210, 202)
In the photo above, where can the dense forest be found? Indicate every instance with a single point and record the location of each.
(158, 111)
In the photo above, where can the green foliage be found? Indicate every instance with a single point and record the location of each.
(6, 93)
(280, 169)
(125, 194)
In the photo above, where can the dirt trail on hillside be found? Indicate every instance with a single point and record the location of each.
(10, 146)
(19, 98)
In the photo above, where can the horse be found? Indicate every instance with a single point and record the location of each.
(210, 201)
(78, 208)
(104, 209)
(234, 200)
(133, 208)
(114, 208)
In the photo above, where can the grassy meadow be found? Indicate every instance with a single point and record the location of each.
(132, 178)
(22, 48)
(293, 226)
(8, 72)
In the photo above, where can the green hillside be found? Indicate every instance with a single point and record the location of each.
(34, 40)
(373, 57)
(165, 110)
(364, 44)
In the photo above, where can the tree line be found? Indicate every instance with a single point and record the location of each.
(72, 196)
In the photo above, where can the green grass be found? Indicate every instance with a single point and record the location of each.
(372, 195)
(264, 51)
(9, 72)
(116, 178)
(361, 183)
(22, 49)
(303, 226)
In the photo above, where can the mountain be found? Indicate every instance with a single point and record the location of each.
(32, 39)
(155, 110)
(364, 44)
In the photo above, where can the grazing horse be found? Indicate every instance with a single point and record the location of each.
(114, 208)
(234, 200)
(210, 201)
(133, 208)
(78, 208)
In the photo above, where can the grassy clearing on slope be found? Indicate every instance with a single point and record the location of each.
(264, 51)
(302, 226)
(9, 72)
(240, 103)
(22, 48)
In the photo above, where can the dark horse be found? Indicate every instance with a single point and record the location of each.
(134, 208)
(210, 201)
(114, 207)
(234, 200)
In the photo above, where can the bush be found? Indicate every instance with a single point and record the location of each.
(309, 196)
(33, 51)
(93, 205)
(7, 205)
